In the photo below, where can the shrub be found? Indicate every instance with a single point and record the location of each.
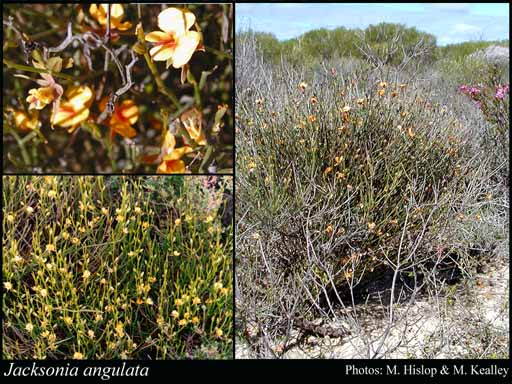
(340, 178)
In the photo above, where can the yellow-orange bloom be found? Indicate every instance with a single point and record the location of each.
(49, 91)
(116, 16)
(75, 110)
(175, 43)
(125, 115)
(25, 123)
(171, 156)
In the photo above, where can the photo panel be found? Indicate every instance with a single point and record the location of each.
(117, 267)
(372, 183)
(119, 88)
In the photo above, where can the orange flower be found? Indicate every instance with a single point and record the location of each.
(25, 123)
(381, 92)
(175, 43)
(75, 110)
(116, 15)
(125, 115)
(171, 156)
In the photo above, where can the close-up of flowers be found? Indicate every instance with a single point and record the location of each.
(95, 88)
(117, 267)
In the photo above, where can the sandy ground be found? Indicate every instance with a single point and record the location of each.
(471, 321)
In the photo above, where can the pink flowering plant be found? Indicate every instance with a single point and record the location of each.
(492, 99)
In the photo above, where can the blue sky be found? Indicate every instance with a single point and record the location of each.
(449, 22)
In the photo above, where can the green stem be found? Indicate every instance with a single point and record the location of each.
(21, 144)
(26, 68)
(197, 93)
(159, 82)
(222, 55)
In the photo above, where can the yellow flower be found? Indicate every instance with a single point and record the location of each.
(40, 97)
(178, 302)
(29, 327)
(29, 209)
(125, 115)
(137, 210)
(176, 253)
(171, 156)
(52, 194)
(383, 84)
(75, 110)
(196, 300)
(224, 291)
(65, 235)
(312, 118)
(68, 320)
(7, 286)
(145, 225)
(86, 274)
(24, 123)
(328, 170)
(177, 221)
(50, 248)
(410, 132)
(360, 101)
(120, 329)
(49, 91)
(329, 229)
(346, 108)
(302, 86)
(10, 218)
(75, 240)
(104, 211)
(218, 332)
(149, 301)
(90, 333)
(43, 292)
(78, 356)
(175, 314)
(175, 43)
(381, 92)
(183, 322)
(195, 320)
(217, 286)
(313, 100)
(116, 15)
(371, 226)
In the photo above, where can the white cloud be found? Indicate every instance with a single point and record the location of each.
(465, 28)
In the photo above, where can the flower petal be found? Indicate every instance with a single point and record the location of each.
(129, 111)
(123, 129)
(187, 44)
(171, 166)
(67, 116)
(79, 96)
(178, 153)
(156, 36)
(116, 10)
(176, 20)
(161, 52)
